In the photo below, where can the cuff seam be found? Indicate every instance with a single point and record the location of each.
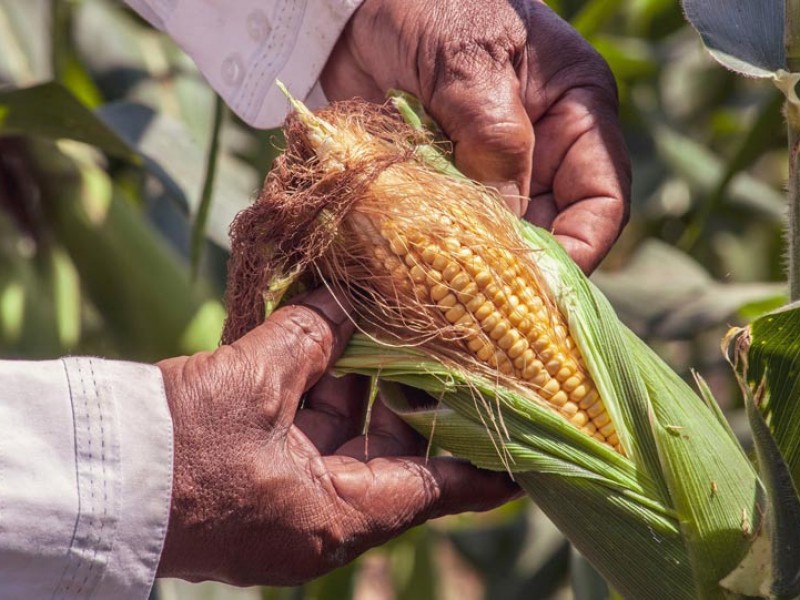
(96, 456)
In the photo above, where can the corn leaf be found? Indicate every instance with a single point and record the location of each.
(50, 110)
(709, 481)
(773, 357)
(133, 277)
(571, 476)
(783, 515)
(766, 356)
(744, 36)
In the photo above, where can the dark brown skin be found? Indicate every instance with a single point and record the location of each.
(529, 105)
(264, 493)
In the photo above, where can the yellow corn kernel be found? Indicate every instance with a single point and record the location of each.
(449, 301)
(505, 322)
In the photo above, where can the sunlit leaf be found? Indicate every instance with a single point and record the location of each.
(766, 357)
(774, 359)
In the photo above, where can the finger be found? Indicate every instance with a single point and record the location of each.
(388, 435)
(333, 411)
(480, 109)
(343, 77)
(585, 164)
(580, 186)
(390, 495)
(295, 346)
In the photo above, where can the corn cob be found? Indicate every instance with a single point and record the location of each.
(497, 309)
(444, 270)
(449, 291)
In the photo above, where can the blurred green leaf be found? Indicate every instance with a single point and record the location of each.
(593, 15)
(337, 585)
(412, 565)
(67, 70)
(587, 583)
(758, 138)
(703, 171)
(138, 284)
(24, 42)
(652, 18)
(206, 196)
(629, 58)
(49, 110)
(175, 158)
(664, 293)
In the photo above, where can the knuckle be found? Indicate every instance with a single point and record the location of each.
(588, 69)
(466, 41)
(306, 332)
(603, 77)
(512, 139)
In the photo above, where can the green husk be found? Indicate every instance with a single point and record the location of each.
(685, 503)
(671, 518)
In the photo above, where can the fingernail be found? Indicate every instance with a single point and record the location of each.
(510, 191)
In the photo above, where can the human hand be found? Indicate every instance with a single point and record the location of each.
(530, 107)
(264, 493)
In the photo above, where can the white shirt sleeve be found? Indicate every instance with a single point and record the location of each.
(85, 478)
(243, 46)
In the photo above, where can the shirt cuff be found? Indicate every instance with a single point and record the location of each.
(85, 478)
(243, 46)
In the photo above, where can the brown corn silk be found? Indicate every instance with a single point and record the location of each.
(427, 259)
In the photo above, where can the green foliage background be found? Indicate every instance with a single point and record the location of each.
(111, 144)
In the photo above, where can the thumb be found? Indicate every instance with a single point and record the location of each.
(483, 114)
(298, 343)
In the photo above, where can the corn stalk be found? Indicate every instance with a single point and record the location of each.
(792, 113)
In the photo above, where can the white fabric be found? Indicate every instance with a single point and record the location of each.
(243, 46)
(86, 444)
(85, 478)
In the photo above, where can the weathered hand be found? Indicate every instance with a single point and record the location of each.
(266, 492)
(529, 105)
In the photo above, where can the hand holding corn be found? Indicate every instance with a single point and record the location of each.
(264, 493)
(529, 105)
